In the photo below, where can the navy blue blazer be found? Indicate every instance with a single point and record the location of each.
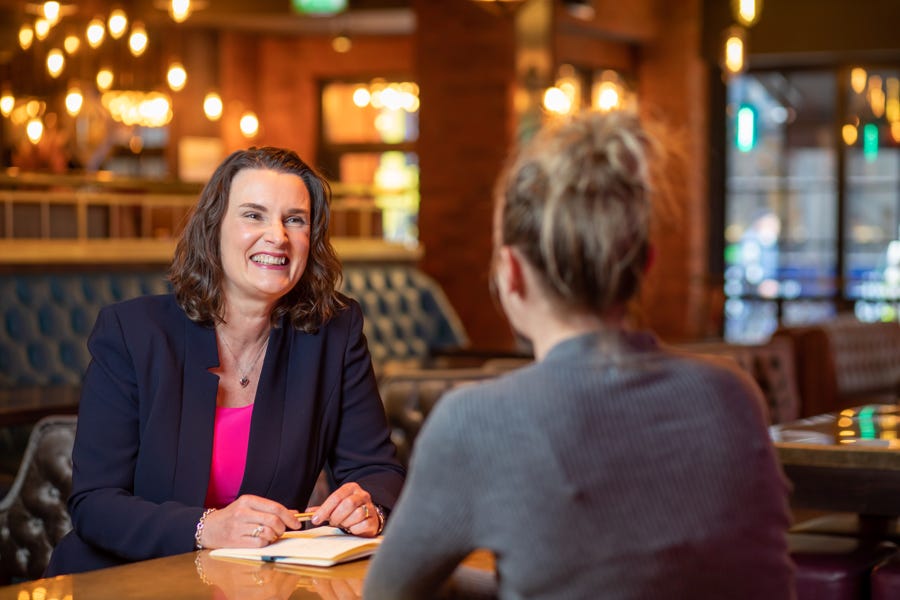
(143, 446)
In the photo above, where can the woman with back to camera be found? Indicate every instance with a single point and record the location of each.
(206, 415)
(611, 467)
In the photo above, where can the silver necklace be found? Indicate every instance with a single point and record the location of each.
(245, 380)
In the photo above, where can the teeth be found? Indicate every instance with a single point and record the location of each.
(265, 259)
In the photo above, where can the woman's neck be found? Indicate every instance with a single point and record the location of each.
(552, 326)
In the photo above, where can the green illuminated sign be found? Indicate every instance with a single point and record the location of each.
(746, 128)
(319, 7)
(870, 141)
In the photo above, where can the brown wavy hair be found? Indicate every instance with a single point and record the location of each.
(196, 272)
(575, 200)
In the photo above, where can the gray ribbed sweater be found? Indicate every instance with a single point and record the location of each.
(647, 475)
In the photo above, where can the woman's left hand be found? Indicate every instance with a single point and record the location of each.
(349, 507)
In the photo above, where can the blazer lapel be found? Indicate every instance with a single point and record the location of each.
(198, 415)
(264, 447)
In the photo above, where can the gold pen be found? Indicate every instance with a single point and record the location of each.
(304, 516)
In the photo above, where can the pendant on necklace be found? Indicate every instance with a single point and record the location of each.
(245, 381)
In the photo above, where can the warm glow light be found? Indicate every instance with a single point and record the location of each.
(858, 79)
(892, 109)
(361, 97)
(72, 44)
(7, 102)
(249, 124)
(51, 11)
(95, 33)
(849, 133)
(56, 62)
(26, 36)
(41, 28)
(895, 128)
(746, 12)
(734, 53)
(876, 96)
(137, 41)
(34, 130)
(176, 76)
(104, 79)
(607, 96)
(556, 101)
(341, 44)
(212, 106)
(33, 108)
(145, 109)
(74, 101)
(118, 23)
(180, 10)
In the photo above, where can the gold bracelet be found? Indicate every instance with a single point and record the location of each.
(199, 531)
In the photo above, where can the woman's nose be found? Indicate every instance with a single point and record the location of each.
(276, 233)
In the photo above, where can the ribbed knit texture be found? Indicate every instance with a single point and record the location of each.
(611, 469)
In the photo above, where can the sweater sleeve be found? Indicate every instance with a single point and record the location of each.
(431, 529)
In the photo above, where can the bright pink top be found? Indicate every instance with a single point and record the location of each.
(229, 455)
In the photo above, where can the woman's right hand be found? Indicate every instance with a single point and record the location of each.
(248, 522)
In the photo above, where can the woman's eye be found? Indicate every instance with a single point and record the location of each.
(251, 215)
(298, 221)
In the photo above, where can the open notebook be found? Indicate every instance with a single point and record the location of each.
(319, 547)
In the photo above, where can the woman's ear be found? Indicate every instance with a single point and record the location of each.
(510, 268)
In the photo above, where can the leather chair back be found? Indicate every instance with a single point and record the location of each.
(33, 515)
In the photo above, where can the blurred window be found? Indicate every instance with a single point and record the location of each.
(812, 205)
(368, 132)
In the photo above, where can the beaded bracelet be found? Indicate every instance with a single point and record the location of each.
(200, 525)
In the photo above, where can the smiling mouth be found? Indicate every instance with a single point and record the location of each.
(266, 259)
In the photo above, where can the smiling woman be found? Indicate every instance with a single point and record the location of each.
(181, 440)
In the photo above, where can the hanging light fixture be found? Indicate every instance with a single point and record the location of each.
(7, 102)
(118, 23)
(34, 130)
(41, 29)
(95, 32)
(746, 12)
(26, 36)
(249, 124)
(176, 76)
(212, 106)
(51, 11)
(72, 43)
(74, 100)
(137, 41)
(56, 62)
(733, 59)
(180, 10)
(104, 78)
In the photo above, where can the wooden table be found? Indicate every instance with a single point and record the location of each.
(847, 461)
(27, 404)
(197, 575)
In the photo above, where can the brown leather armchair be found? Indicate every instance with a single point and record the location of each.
(845, 362)
(410, 395)
(33, 515)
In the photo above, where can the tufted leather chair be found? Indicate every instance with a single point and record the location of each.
(408, 317)
(772, 367)
(45, 319)
(33, 515)
(409, 396)
(845, 362)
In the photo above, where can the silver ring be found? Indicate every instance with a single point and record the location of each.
(257, 531)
